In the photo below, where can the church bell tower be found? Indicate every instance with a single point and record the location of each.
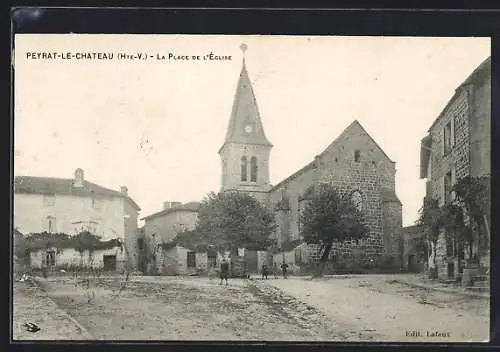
(246, 150)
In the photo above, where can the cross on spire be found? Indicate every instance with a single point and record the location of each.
(245, 114)
(243, 48)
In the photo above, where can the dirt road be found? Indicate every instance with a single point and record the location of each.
(392, 311)
(31, 305)
(368, 308)
(166, 308)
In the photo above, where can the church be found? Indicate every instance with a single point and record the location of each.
(353, 162)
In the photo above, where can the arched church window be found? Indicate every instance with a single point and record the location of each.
(357, 200)
(244, 168)
(253, 169)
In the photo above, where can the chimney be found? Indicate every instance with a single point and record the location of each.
(170, 205)
(78, 182)
(317, 161)
(124, 190)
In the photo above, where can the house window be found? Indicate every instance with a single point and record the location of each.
(93, 226)
(191, 259)
(253, 169)
(49, 224)
(450, 247)
(49, 200)
(284, 193)
(244, 168)
(50, 258)
(96, 204)
(447, 187)
(299, 212)
(448, 137)
(357, 155)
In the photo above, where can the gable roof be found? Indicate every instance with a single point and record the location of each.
(479, 73)
(190, 207)
(245, 111)
(293, 176)
(354, 125)
(63, 186)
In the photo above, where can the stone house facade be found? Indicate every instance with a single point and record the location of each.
(48, 204)
(458, 144)
(353, 163)
(163, 226)
(414, 252)
(178, 260)
(160, 230)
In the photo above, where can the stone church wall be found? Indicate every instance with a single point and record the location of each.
(288, 216)
(352, 162)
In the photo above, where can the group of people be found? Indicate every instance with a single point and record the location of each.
(224, 271)
(265, 270)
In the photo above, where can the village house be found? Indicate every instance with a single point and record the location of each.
(414, 248)
(161, 229)
(174, 218)
(457, 145)
(71, 206)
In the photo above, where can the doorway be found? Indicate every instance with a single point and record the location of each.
(451, 270)
(191, 259)
(109, 262)
(411, 263)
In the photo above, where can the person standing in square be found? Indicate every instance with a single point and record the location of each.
(224, 271)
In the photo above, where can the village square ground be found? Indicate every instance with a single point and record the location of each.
(340, 308)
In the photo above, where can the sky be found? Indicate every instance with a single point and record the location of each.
(156, 125)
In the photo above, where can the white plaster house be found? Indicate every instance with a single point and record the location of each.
(60, 205)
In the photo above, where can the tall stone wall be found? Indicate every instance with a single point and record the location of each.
(458, 157)
(480, 129)
(469, 111)
(393, 231)
(290, 189)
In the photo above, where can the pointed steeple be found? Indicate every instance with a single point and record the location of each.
(245, 125)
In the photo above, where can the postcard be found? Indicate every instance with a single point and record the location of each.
(251, 188)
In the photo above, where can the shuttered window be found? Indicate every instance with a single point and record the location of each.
(49, 200)
(191, 259)
(441, 192)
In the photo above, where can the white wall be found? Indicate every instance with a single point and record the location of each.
(70, 256)
(30, 214)
(174, 261)
(201, 261)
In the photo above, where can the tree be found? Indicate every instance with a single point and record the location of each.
(431, 216)
(146, 254)
(457, 232)
(330, 217)
(473, 195)
(231, 220)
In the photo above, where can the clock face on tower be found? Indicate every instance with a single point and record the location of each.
(248, 128)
